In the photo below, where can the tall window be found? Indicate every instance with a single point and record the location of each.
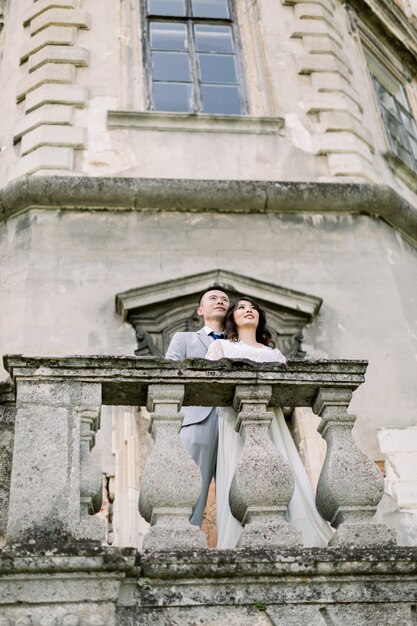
(192, 54)
(396, 112)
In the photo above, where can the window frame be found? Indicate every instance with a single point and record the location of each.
(147, 18)
(383, 76)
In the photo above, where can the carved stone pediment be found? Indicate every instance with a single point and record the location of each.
(159, 310)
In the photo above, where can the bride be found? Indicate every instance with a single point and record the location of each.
(249, 338)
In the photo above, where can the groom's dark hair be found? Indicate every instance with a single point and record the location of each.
(211, 288)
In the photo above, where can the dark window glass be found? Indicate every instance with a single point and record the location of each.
(168, 36)
(210, 8)
(221, 99)
(171, 66)
(172, 97)
(399, 122)
(192, 56)
(413, 144)
(217, 68)
(209, 38)
(175, 8)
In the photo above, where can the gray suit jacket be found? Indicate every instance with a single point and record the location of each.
(185, 346)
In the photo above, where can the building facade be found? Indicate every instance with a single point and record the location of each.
(149, 148)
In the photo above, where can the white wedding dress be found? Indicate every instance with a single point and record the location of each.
(302, 512)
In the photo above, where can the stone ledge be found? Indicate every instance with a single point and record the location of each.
(59, 54)
(60, 158)
(402, 170)
(171, 565)
(52, 36)
(60, 114)
(261, 197)
(44, 5)
(125, 380)
(71, 557)
(185, 122)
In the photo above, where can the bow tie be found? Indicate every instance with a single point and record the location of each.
(216, 335)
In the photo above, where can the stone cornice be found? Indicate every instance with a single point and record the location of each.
(298, 301)
(142, 194)
(396, 25)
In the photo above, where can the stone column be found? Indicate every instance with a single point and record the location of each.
(350, 485)
(7, 420)
(263, 483)
(53, 478)
(171, 480)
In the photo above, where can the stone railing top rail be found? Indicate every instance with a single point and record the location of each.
(125, 380)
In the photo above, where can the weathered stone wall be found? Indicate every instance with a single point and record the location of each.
(64, 269)
(73, 101)
(76, 98)
(108, 587)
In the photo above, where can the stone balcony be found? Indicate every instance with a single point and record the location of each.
(47, 509)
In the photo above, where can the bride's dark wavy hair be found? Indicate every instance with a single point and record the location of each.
(263, 334)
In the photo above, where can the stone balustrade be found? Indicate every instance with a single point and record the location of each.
(54, 481)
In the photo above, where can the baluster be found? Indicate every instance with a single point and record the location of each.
(263, 483)
(90, 471)
(171, 481)
(7, 420)
(350, 485)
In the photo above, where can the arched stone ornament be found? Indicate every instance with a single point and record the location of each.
(159, 310)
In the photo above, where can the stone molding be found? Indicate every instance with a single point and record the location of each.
(333, 101)
(78, 585)
(259, 197)
(184, 122)
(166, 290)
(394, 23)
(50, 58)
(146, 308)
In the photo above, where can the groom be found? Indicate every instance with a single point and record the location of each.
(199, 432)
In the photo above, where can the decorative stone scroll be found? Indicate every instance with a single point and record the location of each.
(263, 483)
(171, 481)
(350, 485)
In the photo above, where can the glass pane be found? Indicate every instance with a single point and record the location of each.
(217, 68)
(221, 99)
(168, 36)
(166, 7)
(408, 122)
(213, 38)
(413, 144)
(387, 100)
(172, 97)
(171, 66)
(210, 8)
(402, 98)
(404, 155)
(394, 128)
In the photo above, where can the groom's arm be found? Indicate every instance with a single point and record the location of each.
(177, 349)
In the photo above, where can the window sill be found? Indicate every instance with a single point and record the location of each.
(201, 122)
(402, 170)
